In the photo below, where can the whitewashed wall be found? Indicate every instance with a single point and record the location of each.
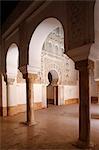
(37, 92)
(4, 100)
(94, 89)
(70, 92)
(17, 94)
(60, 95)
(21, 93)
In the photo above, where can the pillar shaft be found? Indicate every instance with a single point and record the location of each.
(84, 105)
(9, 82)
(30, 99)
(30, 110)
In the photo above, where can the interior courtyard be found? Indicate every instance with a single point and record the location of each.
(49, 76)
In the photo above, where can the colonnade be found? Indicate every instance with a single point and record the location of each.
(84, 105)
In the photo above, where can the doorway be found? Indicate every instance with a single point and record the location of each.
(52, 88)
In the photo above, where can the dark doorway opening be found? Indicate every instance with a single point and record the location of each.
(52, 89)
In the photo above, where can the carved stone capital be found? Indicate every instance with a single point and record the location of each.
(84, 64)
(10, 81)
(30, 72)
(30, 77)
(20, 77)
(23, 69)
(91, 65)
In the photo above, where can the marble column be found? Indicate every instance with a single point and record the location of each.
(30, 79)
(84, 104)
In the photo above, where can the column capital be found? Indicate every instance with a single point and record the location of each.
(23, 69)
(30, 72)
(10, 80)
(91, 65)
(81, 65)
(30, 76)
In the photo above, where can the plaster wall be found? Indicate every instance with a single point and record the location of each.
(21, 93)
(92, 85)
(17, 94)
(13, 37)
(12, 61)
(4, 95)
(37, 92)
(94, 52)
(61, 95)
(94, 89)
(71, 92)
(97, 69)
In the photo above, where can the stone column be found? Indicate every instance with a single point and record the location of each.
(30, 79)
(84, 104)
(44, 98)
(8, 83)
(91, 77)
(55, 98)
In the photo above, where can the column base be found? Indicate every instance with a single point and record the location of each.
(83, 145)
(29, 123)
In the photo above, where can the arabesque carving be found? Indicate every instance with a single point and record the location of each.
(53, 58)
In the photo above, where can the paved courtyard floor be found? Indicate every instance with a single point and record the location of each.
(56, 129)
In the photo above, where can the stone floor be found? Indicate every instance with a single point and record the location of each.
(56, 129)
